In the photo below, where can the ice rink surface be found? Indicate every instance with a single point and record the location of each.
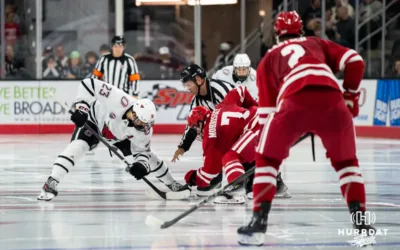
(101, 207)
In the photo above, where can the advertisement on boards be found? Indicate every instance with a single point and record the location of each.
(34, 102)
(387, 105)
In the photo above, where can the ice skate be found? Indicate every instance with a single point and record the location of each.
(178, 187)
(254, 233)
(234, 195)
(49, 190)
(215, 186)
(360, 220)
(281, 188)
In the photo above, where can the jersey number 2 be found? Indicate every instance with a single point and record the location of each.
(227, 115)
(297, 52)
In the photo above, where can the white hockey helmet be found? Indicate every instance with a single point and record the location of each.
(145, 112)
(241, 63)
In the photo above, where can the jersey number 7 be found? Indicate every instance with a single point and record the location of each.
(227, 115)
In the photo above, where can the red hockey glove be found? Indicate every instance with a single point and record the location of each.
(351, 100)
(190, 177)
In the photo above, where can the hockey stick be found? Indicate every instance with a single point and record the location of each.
(153, 221)
(313, 146)
(162, 194)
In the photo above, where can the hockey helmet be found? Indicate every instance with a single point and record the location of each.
(288, 23)
(118, 40)
(190, 72)
(197, 117)
(145, 111)
(239, 62)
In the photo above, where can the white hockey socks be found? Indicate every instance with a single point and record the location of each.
(66, 160)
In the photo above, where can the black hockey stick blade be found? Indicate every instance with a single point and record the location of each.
(313, 147)
(113, 149)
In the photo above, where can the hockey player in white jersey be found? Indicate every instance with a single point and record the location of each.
(240, 73)
(121, 119)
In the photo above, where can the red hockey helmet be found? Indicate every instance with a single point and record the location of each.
(198, 115)
(288, 22)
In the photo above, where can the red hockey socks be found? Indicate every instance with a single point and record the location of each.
(232, 166)
(264, 184)
(351, 182)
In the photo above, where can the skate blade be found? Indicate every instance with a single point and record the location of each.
(283, 194)
(44, 196)
(255, 239)
(234, 200)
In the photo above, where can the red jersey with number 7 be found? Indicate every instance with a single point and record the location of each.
(231, 118)
(296, 63)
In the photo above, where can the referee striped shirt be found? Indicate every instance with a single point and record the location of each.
(216, 92)
(121, 72)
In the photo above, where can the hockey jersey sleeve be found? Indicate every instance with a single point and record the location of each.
(90, 90)
(190, 134)
(340, 58)
(98, 71)
(267, 90)
(241, 97)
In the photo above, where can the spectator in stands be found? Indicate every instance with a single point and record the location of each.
(330, 28)
(222, 59)
(12, 9)
(61, 58)
(367, 9)
(345, 26)
(12, 29)
(310, 16)
(169, 68)
(52, 69)
(90, 62)
(74, 68)
(13, 64)
(104, 49)
(396, 69)
(396, 49)
(341, 3)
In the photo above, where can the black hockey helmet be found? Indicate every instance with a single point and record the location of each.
(191, 71)
(118, 40)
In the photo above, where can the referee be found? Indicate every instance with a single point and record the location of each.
(207, 93)
(118, 68)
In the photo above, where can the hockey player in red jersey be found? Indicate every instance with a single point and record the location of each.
(299, 93)
(230, 136)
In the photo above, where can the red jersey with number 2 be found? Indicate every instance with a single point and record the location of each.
(295, 63)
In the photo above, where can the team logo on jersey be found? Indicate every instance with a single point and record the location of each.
(112, 116)
(124, 101)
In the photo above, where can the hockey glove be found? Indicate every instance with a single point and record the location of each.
(139, 169)
(190, 177)
(80, 116)
(351, 100)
